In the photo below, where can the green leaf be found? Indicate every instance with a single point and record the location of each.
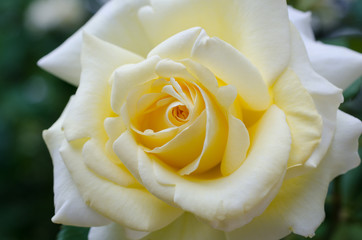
(348, 231)
(73, 233)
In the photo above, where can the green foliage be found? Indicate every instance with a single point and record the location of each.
(73, 233)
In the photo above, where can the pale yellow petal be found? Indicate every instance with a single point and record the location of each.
(303, 119)
(131, 207)
(187, 227)
(129, 76)
(326, 98)
(70, 208)
(232, 201)
(92, 100)
(123, 30)
(237, 145)
(299, 205)
(184, 147)
(233, 68)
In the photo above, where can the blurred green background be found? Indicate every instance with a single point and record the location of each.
(31, 100)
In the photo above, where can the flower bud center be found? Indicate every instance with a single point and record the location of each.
(180, 113)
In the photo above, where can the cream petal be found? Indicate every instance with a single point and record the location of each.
(302, 21)
(233, 68)
(70, 208)
(191, 138)
(242, 195)
(303, 119)
(91, 105)
(238, 143)
(114, 231)
(99, 162)
(187, 227)
(152, 139)
(203, 75)
(170, 69)
(326, 98)
(299, 205)
(247, 25)
(226, 96)
(261, 30)
(178, 46)
(122, 29)
(130, 207)
(178, 15)
(128, 76)
(347, 64)
(214, 142)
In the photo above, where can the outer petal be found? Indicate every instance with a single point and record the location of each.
(70, 208)
(132, 207)
(114, 231)
(326, 98)
(303, 119)
(187, 227)
(298, 207)
(247, 25)
(340, 65)
(116, 23)
(92, 104)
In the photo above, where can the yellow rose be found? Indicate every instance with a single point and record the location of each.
(204, 117)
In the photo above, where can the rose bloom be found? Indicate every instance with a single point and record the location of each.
(199, 120)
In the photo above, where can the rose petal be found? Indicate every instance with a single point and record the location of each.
(187, 227)
(247, 25)
(91, 105)
(130, 207)
(123, 29)
(228, 202)
(326, 98)
(347, 64)
(128, 76)
(100, 163)
(233, 68)
(238, 143)
(299, 205)
(178, 46)
(303, 119)
(70, 208)
(191, 138)
(302, 21)
(114, 231)
(214, 142)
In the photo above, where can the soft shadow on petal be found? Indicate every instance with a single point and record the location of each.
(70, 208)
(299, 205)
(187, 227)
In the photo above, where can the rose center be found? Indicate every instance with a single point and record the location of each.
(180, 113)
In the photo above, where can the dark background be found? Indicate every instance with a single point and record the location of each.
(31, 100)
